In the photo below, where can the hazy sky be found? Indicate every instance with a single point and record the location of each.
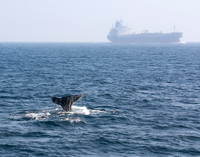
(91, 20)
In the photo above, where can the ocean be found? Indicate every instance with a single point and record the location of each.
(142, 100)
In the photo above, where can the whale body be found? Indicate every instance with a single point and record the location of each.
(67, 101)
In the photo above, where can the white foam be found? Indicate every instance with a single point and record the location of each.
(97, 112)
(80, 110)
(71, 120)
(38, 116)
(58, 112)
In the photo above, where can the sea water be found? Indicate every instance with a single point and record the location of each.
(142, 100)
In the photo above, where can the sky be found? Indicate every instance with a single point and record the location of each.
(91, 20)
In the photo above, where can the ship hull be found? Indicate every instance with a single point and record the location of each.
(146, 38)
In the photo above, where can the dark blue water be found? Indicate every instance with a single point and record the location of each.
(142, 100)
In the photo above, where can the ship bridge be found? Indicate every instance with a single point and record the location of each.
(119, 29)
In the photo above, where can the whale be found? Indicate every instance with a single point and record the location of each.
(67, 101)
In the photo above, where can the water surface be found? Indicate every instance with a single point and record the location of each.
(143, 100)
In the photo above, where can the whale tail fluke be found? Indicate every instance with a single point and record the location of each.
(67, 101)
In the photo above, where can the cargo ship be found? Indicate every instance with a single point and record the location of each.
(121, 34)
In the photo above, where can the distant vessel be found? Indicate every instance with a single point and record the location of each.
(121, 34)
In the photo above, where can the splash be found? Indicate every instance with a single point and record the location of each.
(80, 110)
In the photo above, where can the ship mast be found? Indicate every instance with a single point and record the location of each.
(174, 27)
